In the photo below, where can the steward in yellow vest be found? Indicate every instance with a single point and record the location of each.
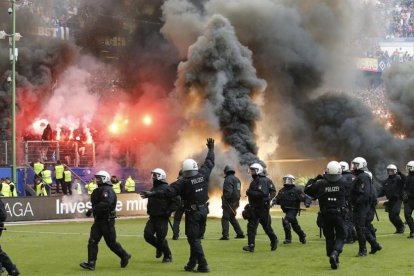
(40, 187)
(5, 189)
(130, 185)
(59, 168)
(13, 190)
(90, 186)
(47, 179)
(116, 184)
(67, 186)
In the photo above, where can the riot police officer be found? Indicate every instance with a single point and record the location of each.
(361, 201)
(5, 260)
(408, 197)
(330, 192)
(103, 201)
(289, 199)
(392, 189)
(230, 202)
(193, 189)
(348, 178)
(260, 193)
(156, 228)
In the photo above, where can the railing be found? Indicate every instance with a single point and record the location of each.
(70, 153)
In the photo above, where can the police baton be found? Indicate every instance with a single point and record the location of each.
(376, 214)
(228, 205)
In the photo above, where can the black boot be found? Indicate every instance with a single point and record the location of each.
(203, 268)
(14, 272)
(375, 248)
(88, 265)
(249, 248)
(273, 245)
(334, 260)
(302, 238)
(125, 260)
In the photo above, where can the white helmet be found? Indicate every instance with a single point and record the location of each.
(190, 168)
(410, 167)
(103, 177)
(391, 169)
(344, 166)
(288, 180)
(333, 171)
(359, 163)
(256, 169)
(158, 174)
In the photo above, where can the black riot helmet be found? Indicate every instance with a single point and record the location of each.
(229, 169)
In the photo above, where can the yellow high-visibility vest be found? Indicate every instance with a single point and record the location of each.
(59, 171)
(67, 176)
(38, 167)
(47, 176)
(5, 189)
(117, 187)
(90, 187)
(41, 191)
(130, 184)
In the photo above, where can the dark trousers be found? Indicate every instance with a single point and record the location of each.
(261, 216)
(290, 221)
(394, 208)
(350, 232)
(408, 211)
(361, 221)
(229, 216)
(195, 222)
(67, 188)
(59, 183)
(177, 219)
(334, 231)
(155, 232)
(105, 229)
(47, 187)
(6, 262)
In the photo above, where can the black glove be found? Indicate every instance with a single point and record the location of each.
(88, 213)
(146, 194)
(210, 143)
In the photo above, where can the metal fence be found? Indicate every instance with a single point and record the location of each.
(71, 153)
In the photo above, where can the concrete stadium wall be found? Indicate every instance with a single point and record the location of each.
(67, 207)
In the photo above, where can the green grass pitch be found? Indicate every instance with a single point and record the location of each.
(58, 248)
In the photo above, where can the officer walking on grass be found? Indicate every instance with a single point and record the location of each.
(361, 199)
(5, 260)
(156, 228)
(289, 199)
(330, 192)
(230, 202)
(260, 193)
(103, 201)
(193, 189)
(392, 188)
